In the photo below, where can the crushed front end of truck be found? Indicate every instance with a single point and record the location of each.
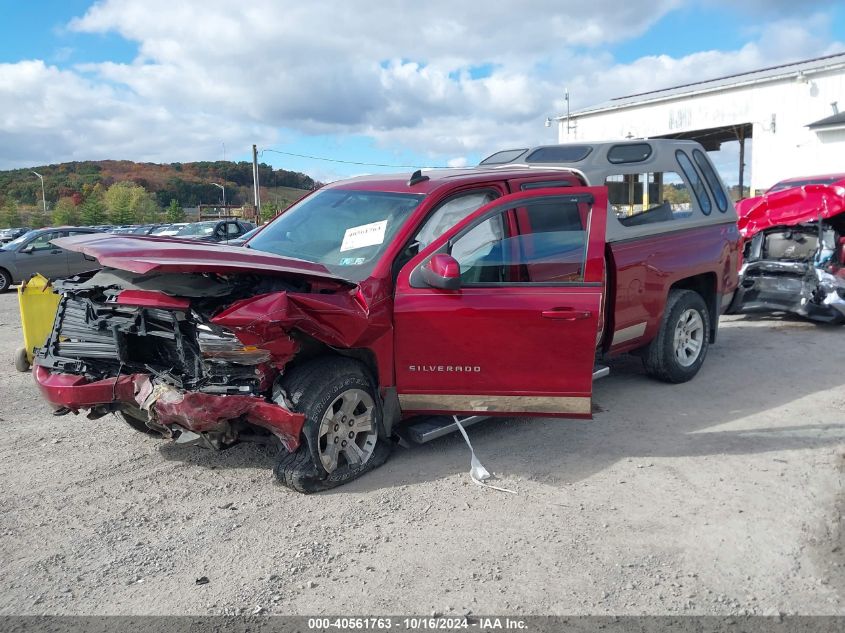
(794, 253)
(120, 344)
(189, 354)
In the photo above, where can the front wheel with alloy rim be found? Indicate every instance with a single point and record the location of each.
(677, 352)
(343, 435)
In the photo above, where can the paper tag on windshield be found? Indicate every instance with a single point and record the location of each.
(364, 235)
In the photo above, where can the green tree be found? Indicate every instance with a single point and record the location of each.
(118, 200)
(175, 212)
(93, 210)
(129, 203)
(9, 216)
(270, 209)
(65, 213)
(143, 206)
(38, 219)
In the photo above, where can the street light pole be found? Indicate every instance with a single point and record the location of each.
(223, 189)
(43, 197)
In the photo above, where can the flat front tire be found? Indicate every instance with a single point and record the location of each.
(679, 349)
(342, 436)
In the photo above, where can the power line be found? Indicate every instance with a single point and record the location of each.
(351, 162)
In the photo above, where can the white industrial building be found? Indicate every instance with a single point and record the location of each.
(791, 114)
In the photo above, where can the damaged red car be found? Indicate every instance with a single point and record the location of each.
(376, 301)
(794, 249)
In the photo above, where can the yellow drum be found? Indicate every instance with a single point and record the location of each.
(38, 303)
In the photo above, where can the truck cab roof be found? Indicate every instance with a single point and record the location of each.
(426, 181)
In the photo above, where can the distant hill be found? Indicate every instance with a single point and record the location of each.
(190, 184)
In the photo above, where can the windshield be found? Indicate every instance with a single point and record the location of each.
(203, 229)
(17, 242)
(344, 230)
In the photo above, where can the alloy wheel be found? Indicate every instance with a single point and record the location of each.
(689, 337)
(347, 430)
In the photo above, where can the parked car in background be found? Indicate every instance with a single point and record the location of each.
(794, 249)
(33, 253)
(168, 230)
(146, 229)
(7, 235)
(215, 230)
(243, 239)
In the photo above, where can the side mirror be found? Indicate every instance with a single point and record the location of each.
(442, 271)
(27, 249)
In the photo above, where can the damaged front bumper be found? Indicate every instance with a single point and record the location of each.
(169, 408)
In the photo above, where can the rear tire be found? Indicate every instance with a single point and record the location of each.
(343, 431)
(5, 280)
(678, 351)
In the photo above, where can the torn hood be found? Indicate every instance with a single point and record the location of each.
(144, 254)
(789, 207)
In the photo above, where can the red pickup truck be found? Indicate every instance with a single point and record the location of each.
(489, 291)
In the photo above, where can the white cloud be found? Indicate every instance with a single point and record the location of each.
(211, 72)
(460, 161)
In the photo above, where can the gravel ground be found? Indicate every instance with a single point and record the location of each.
(720, 496)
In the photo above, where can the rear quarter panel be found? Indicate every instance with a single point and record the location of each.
(644, 270)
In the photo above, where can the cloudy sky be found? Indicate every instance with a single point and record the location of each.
(396, 83)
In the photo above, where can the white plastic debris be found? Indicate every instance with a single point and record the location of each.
(477, 471)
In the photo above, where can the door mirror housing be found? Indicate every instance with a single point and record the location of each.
(27, 249)
(442, 271)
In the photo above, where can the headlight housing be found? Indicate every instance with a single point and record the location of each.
(221, 346)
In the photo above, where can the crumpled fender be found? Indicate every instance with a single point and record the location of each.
(789, 207)
(340, 320)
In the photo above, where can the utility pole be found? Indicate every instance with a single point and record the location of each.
(256, 184)
(43, 197)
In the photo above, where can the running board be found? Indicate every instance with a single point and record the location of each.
(431, 428)
(600, 372)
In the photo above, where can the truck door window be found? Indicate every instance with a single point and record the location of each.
(646, 198)
(444, 217)
(450, 213)
(548, 248)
